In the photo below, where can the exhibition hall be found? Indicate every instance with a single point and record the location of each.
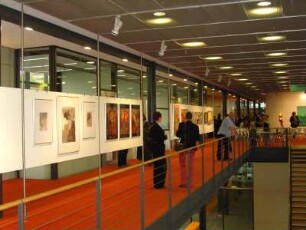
(163, 114)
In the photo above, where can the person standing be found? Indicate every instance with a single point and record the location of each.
(122, 157)
(147, 153)
(227, 128)
(189, 135)
(157, 145)
(217, 124)
(294, 123)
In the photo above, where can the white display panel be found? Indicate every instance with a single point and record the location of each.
(10, 130)
(114, 144)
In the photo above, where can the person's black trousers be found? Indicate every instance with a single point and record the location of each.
(159, 173)
(122, 155)
(224, 146)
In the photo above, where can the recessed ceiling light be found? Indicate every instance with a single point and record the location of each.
(213, 89)
(195, 90)
(249, 83)
(28, 28)
(170, 75)
(196, 83)
(256, 89)
(264, 11)
(174, 84)
(276, 54)
(144, 76)
(94, 87)
(89, 82)
(205, 86)
(159, 21)
(87, 47)
(226, 67)
(160, 81)
(236, 74)
(283, 77)
(264, 3)
(219, 91)
(63, 83)
(280, 72)
(272, 38)
(73, 63)
(192, 44)
(282, 82)
(186, 87)
(90, 62)
(279, 64)
(253, 86)
(159, 14)
(185, 79)
(113, 85)
(242, 79)
(125, 60)
(215, 58)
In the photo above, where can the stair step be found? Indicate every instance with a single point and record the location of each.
(299, 216)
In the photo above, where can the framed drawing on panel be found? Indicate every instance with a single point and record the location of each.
(111, 121)
(68, 120)
(210, 118)
(135, 120)
(176, 117)
(89, 120)
(205, 117)
(43, 121)
(124, 121)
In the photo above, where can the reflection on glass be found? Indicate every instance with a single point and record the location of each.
(128, 81)
(179, 93)
(108, 77)
(75, 73)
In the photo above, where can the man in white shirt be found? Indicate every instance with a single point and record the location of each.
(227, 129)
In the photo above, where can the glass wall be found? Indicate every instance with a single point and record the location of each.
(179, 93)
(162, 100)
(128, 82)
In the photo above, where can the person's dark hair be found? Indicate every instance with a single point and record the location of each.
(188, 115)
(156, 116)
(293, 113)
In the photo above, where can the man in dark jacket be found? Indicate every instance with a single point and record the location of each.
(189, 135)
(157, 145)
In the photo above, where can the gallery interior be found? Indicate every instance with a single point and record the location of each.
(80, 79)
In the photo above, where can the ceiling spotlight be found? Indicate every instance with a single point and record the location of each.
(117, 26)
(125, 60)
(276, 54)
(220, 78)
(163, 48)
(229, 82)
(170, 75)
(264, 3)
(28, 28)
(225, 67)
(279, 65)
(215, 58)
(87, 48)
(272, 38)
(159, 14)
(236, 74)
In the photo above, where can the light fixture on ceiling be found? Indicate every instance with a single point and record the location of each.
(280, 72)
(215, 58)
(163, 48)
(276, 54)
(220, 78)
(226, 67)
(159, 21)
(72, 63)
(87, 47)
(283, 77)
(120, 71)
(90, 62)
(170, 75)
(264, 3)
(272, 38)
(265, 11)
(28, 28)
(236, 74)
(144, 76)
(207, 70)
(242, 79)
(249, 83)
(160, 81)
(159, 14)
(125, 60)
(229, 82)
(174, 84)
(192, 44)
(279, 64)
(117, 25)
(185, 79)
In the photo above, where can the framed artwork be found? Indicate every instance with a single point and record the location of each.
(89, 119)
(68, 120)
(176, 117)
(124, 121)
(43, 121)
(205, 117)
(301, 112)
(135, 120)
(111, 121)
(197, 118)
(210, 119)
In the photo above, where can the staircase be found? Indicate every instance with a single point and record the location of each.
(298, 188)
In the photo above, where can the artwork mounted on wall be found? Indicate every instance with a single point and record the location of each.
(111, 121)
(206, 118)
(124, 121)
(135, 120)
(176, 117)
(43, 121)
(89, 119)
(68, 120)
(197, 118)
(210, 119)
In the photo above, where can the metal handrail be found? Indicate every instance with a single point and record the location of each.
(93, 179)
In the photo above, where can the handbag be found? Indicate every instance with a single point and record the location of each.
(179, 145)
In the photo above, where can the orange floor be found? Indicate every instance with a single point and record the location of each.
(120, 198)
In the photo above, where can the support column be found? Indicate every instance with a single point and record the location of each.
(224, 102)
(254, 108)
(202, 219)
(151, 90)
(248, 107)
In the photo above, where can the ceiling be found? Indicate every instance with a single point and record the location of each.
(228, 28)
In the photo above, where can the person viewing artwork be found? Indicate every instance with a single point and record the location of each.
(157, 145)
(294, 123)
(68, 126)
(189, 134)
(227, 129)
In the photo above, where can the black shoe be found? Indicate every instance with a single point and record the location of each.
(159, 187)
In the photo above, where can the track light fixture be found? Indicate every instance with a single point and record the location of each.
(220, 78)
(163, 48)
(207, 71)
(229, 82)
(117, 26)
